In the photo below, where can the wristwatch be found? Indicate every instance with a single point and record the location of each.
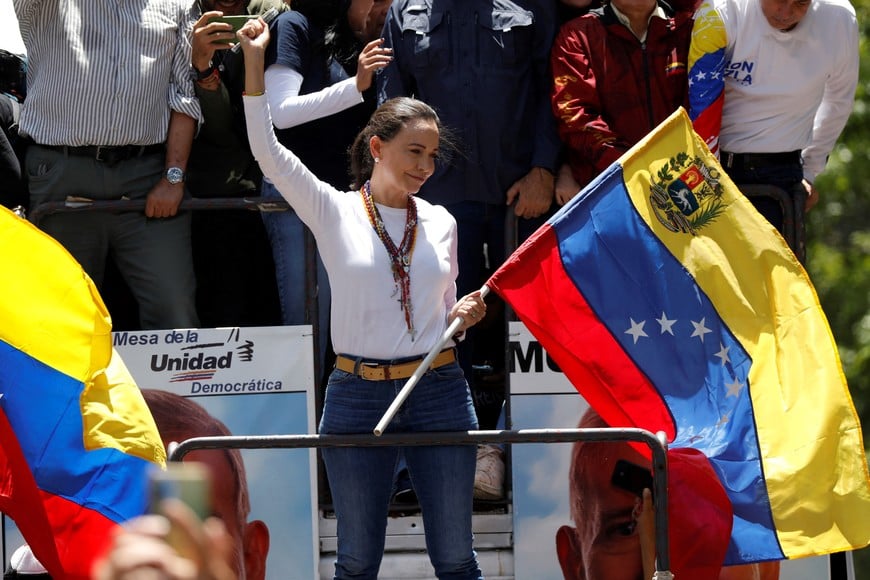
(175, 175)
(196, 75)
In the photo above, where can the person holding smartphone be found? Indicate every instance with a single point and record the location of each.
(225, 546)
(236, 281)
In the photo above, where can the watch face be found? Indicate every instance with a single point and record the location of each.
(174, 175)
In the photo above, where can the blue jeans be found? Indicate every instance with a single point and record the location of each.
(361, 478)
(287, 236)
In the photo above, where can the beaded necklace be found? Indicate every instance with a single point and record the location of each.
(400, 258)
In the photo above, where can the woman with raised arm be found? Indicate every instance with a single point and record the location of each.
(391, 261)
(319, 67)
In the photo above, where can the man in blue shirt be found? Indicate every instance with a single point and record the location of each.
(483, 66)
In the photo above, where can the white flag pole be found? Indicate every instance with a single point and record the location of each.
(421, 370)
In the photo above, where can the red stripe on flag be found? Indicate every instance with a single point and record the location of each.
(57, 530)
(535, 283)
(81, 534)
(21, 500)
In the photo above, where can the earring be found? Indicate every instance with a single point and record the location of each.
(377, 159)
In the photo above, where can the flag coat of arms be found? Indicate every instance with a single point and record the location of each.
(672, 305)
(76, 437)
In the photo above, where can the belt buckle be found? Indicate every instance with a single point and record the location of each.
(99, 156)
(107, 155)
(359, 367)
(729, 160)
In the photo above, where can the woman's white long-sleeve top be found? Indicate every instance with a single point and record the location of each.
(367, 318)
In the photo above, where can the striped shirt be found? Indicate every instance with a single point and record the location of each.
(106, 72)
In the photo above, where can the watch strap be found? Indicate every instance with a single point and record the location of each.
(198, 75)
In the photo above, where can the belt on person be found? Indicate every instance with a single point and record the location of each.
(758, 160)
(109, 154)
(372, 371)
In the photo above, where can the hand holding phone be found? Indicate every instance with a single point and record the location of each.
(236, 22)
(187, 482)
(631, 477)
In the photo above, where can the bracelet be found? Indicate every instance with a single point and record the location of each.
(254, 94)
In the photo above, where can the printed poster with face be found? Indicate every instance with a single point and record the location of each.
(257, 381)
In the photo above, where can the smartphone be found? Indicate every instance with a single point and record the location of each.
(235, 21)
(631, 477)
(187, 481)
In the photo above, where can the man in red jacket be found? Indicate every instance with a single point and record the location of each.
(618, 71)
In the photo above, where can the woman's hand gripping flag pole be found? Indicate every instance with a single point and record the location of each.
(421, 370)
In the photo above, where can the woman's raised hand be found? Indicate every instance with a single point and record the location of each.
(372, 58)
(254, 35)
(254, 38)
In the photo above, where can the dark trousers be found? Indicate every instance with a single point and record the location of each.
(153, 255)
(482, 247)
(782, 170)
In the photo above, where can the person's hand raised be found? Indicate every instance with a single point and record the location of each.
(372, 58)
(254, 36)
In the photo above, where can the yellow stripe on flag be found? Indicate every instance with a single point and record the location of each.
(52, 312)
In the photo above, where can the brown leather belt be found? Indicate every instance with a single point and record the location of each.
(386, 372)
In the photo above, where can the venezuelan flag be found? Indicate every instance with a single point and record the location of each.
(672, 305)
(707, 74)
(76, 434)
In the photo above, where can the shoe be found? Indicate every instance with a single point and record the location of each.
(489, 475)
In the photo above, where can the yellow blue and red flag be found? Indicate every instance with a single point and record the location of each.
(707, 60)
(76, 436)
(672, 305)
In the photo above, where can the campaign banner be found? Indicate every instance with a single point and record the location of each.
(256, 381)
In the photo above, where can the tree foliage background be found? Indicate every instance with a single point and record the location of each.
(838, 246)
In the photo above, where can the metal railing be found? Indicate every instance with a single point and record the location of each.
(262, 204)
(656, 443)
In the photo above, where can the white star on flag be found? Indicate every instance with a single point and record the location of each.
(636, 331)
(734, 388)
(700, 329)
(667, 325)
(723, 353)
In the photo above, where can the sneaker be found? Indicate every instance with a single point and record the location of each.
(489, 475)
